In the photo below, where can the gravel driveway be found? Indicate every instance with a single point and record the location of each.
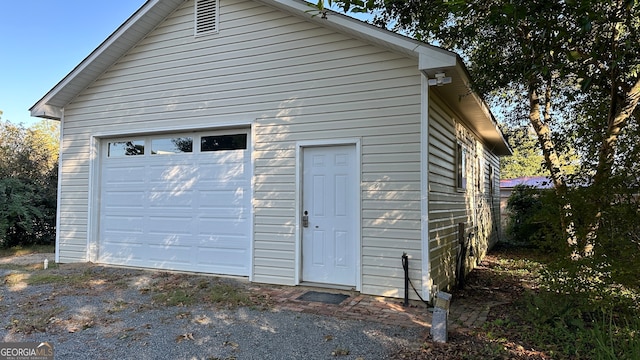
(95, 312)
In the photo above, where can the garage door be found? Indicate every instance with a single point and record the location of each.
(178, 202)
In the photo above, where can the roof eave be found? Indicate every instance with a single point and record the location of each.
(45, 111)
(473, 110)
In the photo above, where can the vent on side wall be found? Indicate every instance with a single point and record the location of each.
(206, 17)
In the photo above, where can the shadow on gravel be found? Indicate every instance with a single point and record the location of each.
(94, 312)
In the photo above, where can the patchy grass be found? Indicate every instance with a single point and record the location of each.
(35, 319)
(176, 297)
(38, 295)
(175, 289)
(46, 278)
(171, 289)
(26, 250)
(534, 324)
(73, 279)
(20, 267)
(231, 296)
(117, 306)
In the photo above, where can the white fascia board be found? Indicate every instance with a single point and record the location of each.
(45, 111)
(430, 61)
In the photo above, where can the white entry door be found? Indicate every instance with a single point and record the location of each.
(329, 214)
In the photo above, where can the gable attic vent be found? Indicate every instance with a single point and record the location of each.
(206, 17)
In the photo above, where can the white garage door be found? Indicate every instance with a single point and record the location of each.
(178, 202)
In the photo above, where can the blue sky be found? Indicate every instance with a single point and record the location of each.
(41, 41)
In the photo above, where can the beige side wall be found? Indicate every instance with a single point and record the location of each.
(476, 206)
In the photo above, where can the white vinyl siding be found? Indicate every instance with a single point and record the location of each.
(450, 205)
(295, 81)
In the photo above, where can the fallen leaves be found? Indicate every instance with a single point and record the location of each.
(184, 315)
(202, 320)
(340, 352)
(490, 280)
(184, 337)
(234, 345)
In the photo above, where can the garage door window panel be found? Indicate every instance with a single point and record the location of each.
(126, 148)
(174, 145)
(223, 142)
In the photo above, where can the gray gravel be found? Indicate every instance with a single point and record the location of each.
(108, 322)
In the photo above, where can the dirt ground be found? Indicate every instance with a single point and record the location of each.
(27, 259)
(101, 312)
(499, 282)
(492, 285)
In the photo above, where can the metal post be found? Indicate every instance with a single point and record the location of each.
(405, 266)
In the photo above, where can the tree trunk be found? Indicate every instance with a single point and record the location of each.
(543, 132)
(552, 161)
(618, 116)
(617, 119)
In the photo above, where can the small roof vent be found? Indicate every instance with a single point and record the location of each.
(206, 17)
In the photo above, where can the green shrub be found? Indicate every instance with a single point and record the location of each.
(530, 210)
(28, 183)
(27, 213)
(560, 326)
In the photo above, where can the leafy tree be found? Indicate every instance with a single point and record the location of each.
(28, 183)
(553, 54)
(568, 66)
(527, 159)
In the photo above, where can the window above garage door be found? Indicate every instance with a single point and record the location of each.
(175, 144)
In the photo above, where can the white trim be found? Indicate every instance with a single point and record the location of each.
(328, 142)
(93, 210)
(297, 257)
(300, 145)
(427, 282)
(251, 142)
(174, 129)
(59, 188)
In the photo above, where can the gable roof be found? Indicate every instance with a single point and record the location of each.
(431, 60)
